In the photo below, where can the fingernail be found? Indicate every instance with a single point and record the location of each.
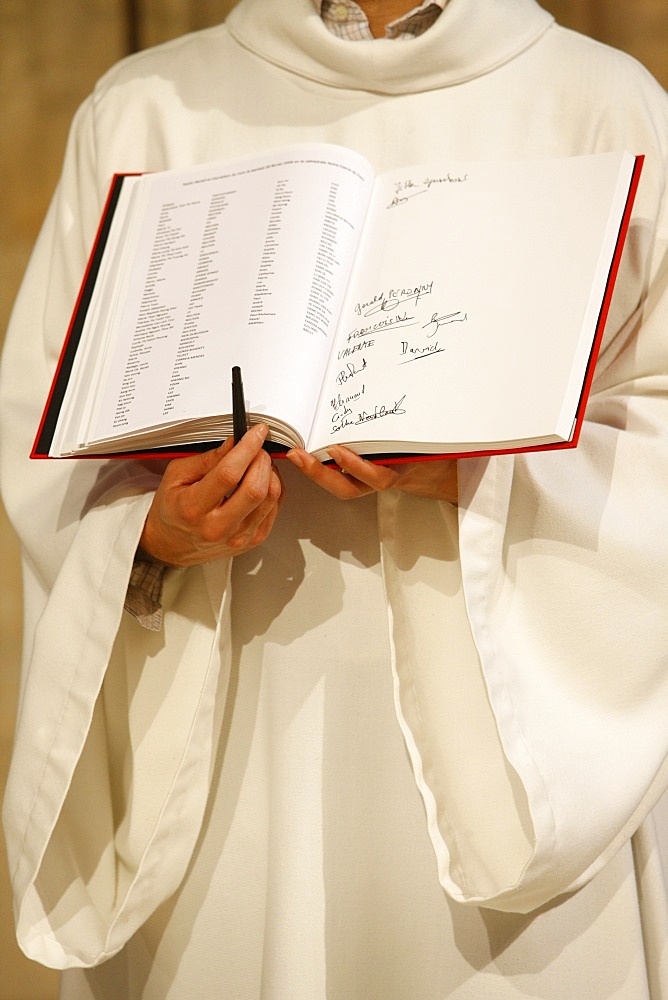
(295, 459)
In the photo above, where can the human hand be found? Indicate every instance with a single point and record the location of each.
(219, 503)
(434, 479)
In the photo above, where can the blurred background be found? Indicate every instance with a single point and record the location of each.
(51, 53)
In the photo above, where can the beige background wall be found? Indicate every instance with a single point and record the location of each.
(51, 51)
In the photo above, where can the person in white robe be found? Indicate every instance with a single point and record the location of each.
(397, 747)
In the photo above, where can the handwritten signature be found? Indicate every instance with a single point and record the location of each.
(350, 371)
(363, 345)
(420, 352)
(340, 419)
(388, 322)
(408, 188)
(341, 403)
(388, 301)
(381, 410)
(436, 322)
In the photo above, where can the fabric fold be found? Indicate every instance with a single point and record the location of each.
(528, 631)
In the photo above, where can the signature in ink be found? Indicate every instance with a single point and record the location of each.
(436, 321)
(387, 302)
(363, 345)
(340, 419)
(339, 425)
(406, 189)
(381, 410)
(400, 319)
(420, 352)
(401, 199)
(340, 401)
(447, 179)
(350, 371)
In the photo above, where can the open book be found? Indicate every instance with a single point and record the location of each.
(441, 309)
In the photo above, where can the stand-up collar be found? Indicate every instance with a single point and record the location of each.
(470, 38)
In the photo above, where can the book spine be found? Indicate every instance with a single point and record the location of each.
(61, 377)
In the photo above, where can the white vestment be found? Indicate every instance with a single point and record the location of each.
(398, 751)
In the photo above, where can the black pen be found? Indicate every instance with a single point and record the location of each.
(239, 421)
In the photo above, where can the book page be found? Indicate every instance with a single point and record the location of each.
(241, 264)
(472, 288)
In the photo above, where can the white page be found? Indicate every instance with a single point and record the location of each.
(470, 288)
(225, 273)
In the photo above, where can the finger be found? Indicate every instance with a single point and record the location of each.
(345, 487)
(193, 468)
(225, 474)
(377, 477)
(258, 525)
(259, 486)
(241, 530)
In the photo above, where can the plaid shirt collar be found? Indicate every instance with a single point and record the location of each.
(345, 19)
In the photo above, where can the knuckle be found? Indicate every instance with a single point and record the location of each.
(238, 544)
(188, 512)
(171, 473)
(209, 533)
(257, 492)
(275, 491)
(226, 478)
(387, 479)
(259, 536)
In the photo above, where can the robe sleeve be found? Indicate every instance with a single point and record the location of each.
(543, 756)
(114, 737)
